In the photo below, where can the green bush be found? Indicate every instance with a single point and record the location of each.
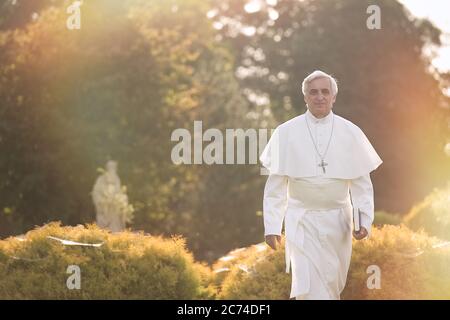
(255, 272)
(126, 266)
(136, 266)
(432, 214)
(412, 265)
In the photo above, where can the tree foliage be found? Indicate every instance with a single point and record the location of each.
(386, 84)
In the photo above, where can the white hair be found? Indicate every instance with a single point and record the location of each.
(316, 75)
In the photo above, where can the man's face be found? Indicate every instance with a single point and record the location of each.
(319, 97)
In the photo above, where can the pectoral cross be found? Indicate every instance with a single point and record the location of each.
(323, 164)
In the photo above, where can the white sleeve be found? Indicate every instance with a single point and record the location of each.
(361, 190)
(274, 204)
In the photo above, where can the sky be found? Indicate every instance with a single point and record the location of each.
(438, 12)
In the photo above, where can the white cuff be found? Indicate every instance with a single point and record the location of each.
(366, 222)
(274, 231)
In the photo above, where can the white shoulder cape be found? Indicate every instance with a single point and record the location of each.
(291, 152)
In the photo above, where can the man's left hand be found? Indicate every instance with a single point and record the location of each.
(361, 234)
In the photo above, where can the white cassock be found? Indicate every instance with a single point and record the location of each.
(316, 206)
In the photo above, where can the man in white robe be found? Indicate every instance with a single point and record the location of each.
(319, 169)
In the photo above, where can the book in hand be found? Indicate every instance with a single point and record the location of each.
(356, 219)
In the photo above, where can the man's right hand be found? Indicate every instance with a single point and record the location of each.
(273, 241)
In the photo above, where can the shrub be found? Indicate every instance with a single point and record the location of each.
(412, 265)
(255, 272)
(409, 263)
(432, 214)
(126, 266)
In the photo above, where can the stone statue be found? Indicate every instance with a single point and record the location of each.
(111, 201)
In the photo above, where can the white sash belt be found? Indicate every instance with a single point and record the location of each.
(305, 196)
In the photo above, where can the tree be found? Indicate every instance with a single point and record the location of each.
(116, 88)
(387, 86)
